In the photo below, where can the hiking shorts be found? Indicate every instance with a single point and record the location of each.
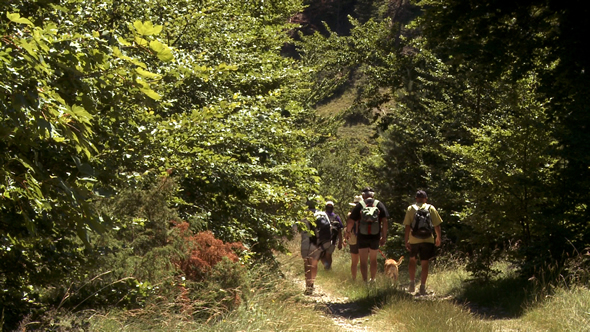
(426, 251)
(310, 250)
(368, 241)
(331, 249)
(354, 249)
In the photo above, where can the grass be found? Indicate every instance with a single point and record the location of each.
(565, 310)
(275, 303)
(337, 104)
(506, 303)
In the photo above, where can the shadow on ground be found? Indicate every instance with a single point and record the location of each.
(496, 299)
(364, 307)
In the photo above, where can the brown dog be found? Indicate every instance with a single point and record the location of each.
(391, 268)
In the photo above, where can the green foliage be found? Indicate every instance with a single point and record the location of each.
(474, 121)
(103, 97)
(543, 42)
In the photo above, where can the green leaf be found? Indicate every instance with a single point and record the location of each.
(140, 41)
(147, 74)
(15, 17)
(147, 28)
(151, 93)
(162, 50)
(81, 114)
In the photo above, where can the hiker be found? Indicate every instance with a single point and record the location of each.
(313, 245)
(336, 232)
(369, 218)
(354, 248)
(421, 221)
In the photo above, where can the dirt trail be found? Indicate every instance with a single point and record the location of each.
(349, 316)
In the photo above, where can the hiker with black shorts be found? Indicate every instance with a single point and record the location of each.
(336, 232)
(353, 245)
(369, 218)
(315, 242)
(421, 221)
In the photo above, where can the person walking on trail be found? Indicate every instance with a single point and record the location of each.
(421, 221)
(369, 218)
(352, 242)
(314, 242)
(336, 235)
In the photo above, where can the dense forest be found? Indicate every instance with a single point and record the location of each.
(180, 140)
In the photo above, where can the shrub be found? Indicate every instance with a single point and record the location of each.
(202, 251)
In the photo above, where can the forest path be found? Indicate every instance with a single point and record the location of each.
(346, 314)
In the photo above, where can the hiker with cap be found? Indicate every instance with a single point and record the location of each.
(352, 242)
(336, 236)
(369, 219)
(421, 221)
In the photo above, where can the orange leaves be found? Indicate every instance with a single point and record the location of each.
(202, 251)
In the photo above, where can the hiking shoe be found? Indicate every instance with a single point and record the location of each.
(411, 288)
(422, 289)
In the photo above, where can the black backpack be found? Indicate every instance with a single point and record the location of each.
(422, 227)
(322, 230)
(334, 228)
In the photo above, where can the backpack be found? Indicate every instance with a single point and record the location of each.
(369, 222)
(322, 230)
(422, 227)
(334, 228)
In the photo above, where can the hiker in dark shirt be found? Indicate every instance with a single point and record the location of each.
(368, 244)
(326, 256)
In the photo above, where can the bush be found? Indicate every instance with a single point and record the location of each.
(202, 251)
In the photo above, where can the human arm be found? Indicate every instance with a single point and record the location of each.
(349, 226)
(355, 214)
(436, 221)
(408, 222)
(384, 228)
(438, 235)
(407, 237)
(339, 231)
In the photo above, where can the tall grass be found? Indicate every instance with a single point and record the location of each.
(565, 310)
(401, 314)
(272, 301)
(274, 304)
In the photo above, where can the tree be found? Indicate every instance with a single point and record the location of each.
(546, 38)
(100, 97)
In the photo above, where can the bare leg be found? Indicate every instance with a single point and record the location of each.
(424, 273)
(412, 269)
(311, 270)
(364, 256)
(354, 265)
(373, 258)
(327, 261)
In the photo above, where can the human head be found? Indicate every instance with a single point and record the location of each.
(421, 196)
(329, 206)
(356, 199)
(368, 192)
(311, 203)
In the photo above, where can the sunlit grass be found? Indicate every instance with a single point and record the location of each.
(281, 305)
(281, 309)
(337, 104)
(565, 310)
(403, 314)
